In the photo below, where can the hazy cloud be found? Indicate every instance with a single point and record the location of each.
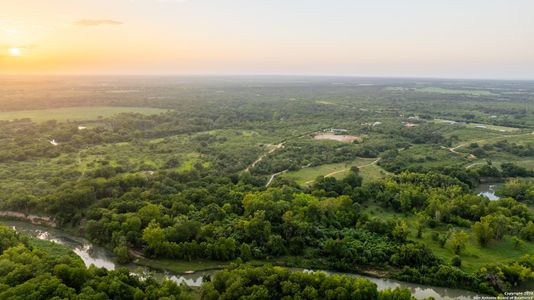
(4, 49)
(22, 47)
(97, 22)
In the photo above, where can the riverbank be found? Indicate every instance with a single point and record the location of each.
(179, 271)
(34, 219)
(202, 265)
(180, 266)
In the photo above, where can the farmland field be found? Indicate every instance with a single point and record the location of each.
(76, 113)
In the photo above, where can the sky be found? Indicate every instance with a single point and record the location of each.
(491, 39)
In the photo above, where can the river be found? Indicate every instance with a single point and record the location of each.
(100, 257)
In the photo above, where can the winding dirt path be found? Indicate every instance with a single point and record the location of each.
(474, 164)
(257, 161)
(276, 147)
(273, 176)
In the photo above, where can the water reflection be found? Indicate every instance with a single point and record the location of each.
(91, 256)
(89, 253)
(418, 291)
(195, 279)
(488, 190)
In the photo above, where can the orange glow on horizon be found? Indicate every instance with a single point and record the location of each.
(367, 38)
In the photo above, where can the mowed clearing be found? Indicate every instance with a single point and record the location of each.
(368, 169)
(77, 113)
(336, 137)
(473, 256)
(493, 127)
(478, 125)
(470, 92)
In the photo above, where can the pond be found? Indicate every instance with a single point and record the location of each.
(100, 257)
(488, 190)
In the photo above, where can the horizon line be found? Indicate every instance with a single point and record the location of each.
(296, 75)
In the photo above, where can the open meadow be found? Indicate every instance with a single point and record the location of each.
(77, 113)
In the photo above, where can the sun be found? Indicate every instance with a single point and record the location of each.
(14, 51)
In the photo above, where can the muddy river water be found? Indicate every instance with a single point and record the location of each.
(100, 257)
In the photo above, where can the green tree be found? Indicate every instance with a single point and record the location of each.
(400, 231)
(498, 223)
(457, 240)
(518, 243)
(527, 232)
(245, 253)
(123, 254)
(154, 237)
(483, 232)
(149, 212)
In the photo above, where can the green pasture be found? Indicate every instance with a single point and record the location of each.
(473, 255)
(307, 175)
(438, 90)
(76, 113)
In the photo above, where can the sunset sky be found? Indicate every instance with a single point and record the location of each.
(414, 38)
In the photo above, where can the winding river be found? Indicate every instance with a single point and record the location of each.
(100, 257)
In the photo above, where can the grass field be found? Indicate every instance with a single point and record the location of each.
(527, 163)
(473, 134)
(305, 176)
(190, 160)
(469, 134)
(180, 266)
(492, 127)
(473, 256)
(53, 249)
(477, 126)
(521, 139)
(176, 266)
(76, 113)
(438, 90)
(372, 172)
